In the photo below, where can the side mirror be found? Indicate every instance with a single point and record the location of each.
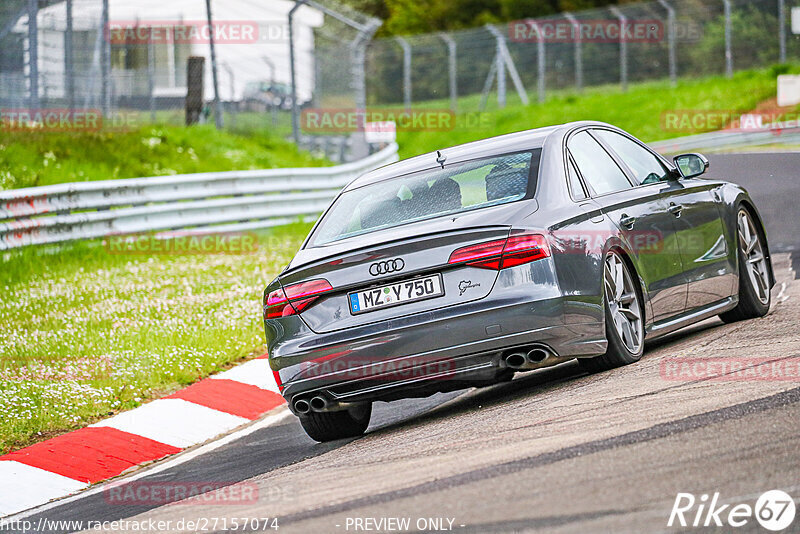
(691, 165)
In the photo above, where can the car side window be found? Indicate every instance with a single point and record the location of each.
(646, 167)
(575, 186)
(598, 168)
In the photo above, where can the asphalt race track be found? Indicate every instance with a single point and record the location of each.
(554, 450)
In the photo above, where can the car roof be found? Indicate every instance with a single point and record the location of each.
(491, 146)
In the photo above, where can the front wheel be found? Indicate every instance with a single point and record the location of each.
(330, 426)
(754, 286)
(624, 318)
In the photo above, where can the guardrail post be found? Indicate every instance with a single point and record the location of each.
(406, 71)
(673, 69)
(578, 51)
(728, 38)
(451, 69)
(623, 47)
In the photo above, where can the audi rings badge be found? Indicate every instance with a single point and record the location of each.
(385, 267)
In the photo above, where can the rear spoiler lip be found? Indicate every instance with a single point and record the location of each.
(292, 267)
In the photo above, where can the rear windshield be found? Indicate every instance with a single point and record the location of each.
(433, 193)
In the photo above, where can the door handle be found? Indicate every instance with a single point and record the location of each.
(675, 209)
(627, 222)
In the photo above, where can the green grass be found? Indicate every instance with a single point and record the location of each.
(31, 158)
(639, 110)
(87, 333)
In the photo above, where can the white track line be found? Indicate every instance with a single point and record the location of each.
(25, 486)
(169, 463)
(175, 422)
(254, 372)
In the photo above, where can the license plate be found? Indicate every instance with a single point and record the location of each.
(394, 294)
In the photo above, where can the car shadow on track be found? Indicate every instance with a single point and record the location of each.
(531, 383)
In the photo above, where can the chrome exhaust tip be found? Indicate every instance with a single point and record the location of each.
(302, 406)
(515, 360)
(319, 403)
(537, 355)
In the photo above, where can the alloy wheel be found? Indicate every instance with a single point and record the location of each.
(754, 260)
(623, 303)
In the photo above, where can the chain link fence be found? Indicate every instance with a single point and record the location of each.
(126, 61)
(570, 51)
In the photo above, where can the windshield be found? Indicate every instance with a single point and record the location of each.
(432, 193)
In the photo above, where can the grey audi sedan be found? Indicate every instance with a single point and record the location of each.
(461, 267)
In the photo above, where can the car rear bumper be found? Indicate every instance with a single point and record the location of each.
(444, 350)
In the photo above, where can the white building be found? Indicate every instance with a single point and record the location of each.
(250, 35)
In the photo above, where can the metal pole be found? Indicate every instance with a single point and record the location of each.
(33, 55)
(105, 63)
(68, 66)
(782, 29)
(623, 48)
(406, 71)
(232, 86)
(295, 117)
(728, 37)
(451, 69)
(217, 110)
(151, 77)
(673, 68)
(576, 35)
(540, 60)
(271, 66)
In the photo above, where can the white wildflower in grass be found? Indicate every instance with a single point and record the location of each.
(84, 333)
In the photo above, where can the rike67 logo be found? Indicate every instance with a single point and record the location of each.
(774, 510)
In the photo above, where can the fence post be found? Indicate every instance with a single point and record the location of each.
(295, 118)
(500, 66)
(406, 71)
(623, 47)
(151, 75)
(782, 29)
(105, 63)
(728, 37)
(540, 60)
(217, 109)
(576, 35)
(451, 69)
(68, 66)
(232, 86)
(503, 61)
(33, 54)
(673, 69)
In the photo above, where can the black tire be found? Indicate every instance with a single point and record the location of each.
(330, 426)
(617, 354)
(749, 306)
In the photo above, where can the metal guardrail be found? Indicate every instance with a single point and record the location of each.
(728, 139)
(205, 202)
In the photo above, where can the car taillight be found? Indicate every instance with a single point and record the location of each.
(518, 248)
(295, 298)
